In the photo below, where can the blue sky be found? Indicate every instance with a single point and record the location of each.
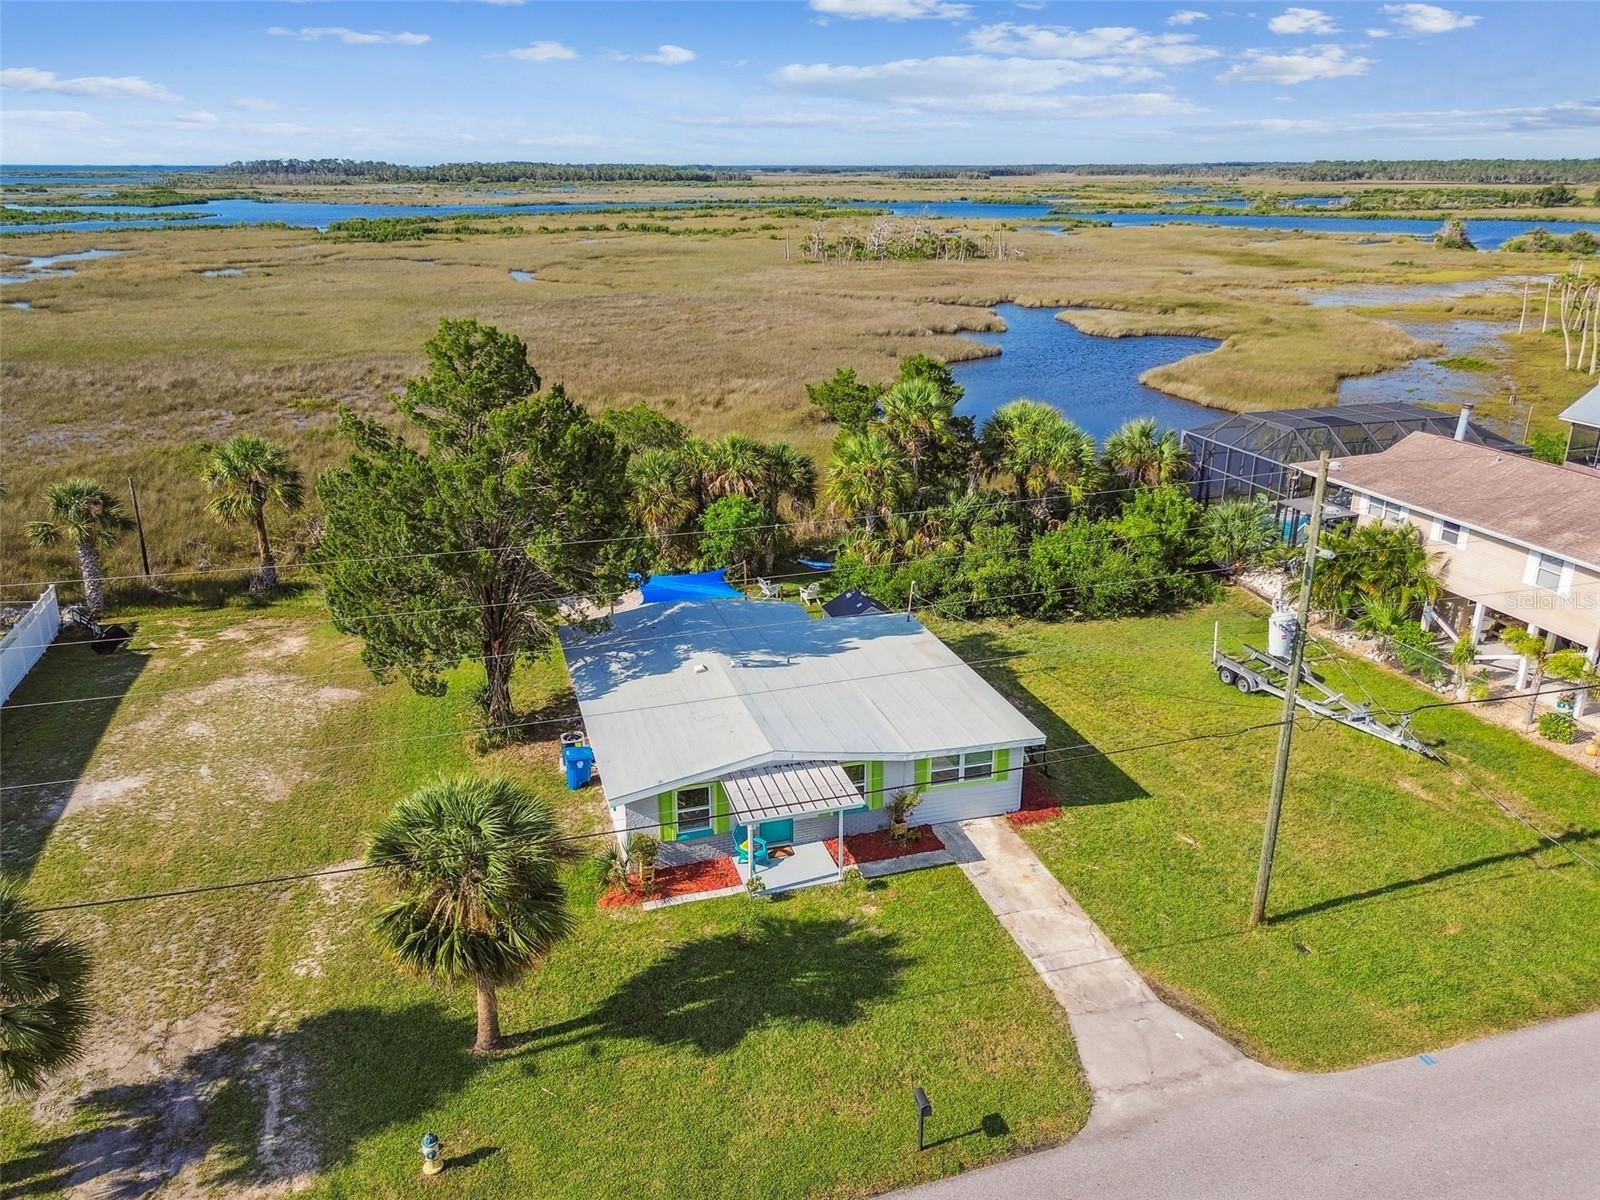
(790, 81)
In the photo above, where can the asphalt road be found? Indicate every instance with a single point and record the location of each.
(1515, 1117)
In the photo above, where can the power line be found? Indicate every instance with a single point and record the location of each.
(241, 568)
(486, 658)
(1059, 756)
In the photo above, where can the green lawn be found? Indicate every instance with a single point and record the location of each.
(1409, 912)
(757, 1049)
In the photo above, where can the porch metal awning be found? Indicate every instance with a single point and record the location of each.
(782, 790)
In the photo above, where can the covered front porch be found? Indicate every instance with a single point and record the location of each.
(765, 804)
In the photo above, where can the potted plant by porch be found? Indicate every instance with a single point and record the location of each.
(643, 849)
(901, 806)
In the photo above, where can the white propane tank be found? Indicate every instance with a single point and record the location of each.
(1282, 627)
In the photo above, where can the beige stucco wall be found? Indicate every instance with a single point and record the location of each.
(1490, 569)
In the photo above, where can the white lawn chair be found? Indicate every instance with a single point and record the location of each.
(769, 591)
(810, 593)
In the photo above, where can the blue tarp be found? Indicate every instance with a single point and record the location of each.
(707, 585)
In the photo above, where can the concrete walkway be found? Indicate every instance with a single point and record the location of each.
(1137, 1052)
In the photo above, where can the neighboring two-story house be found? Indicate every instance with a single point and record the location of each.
(1583, 433)
(1518, 539)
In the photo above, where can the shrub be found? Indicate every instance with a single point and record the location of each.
(1558, 727)
(733, 528)
(1549, 447)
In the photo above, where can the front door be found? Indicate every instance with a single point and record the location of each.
(777, 833)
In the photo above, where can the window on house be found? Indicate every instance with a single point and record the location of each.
(858, 776)
(694, 810)
(1548, 573)
(1387, 510)
(1452, 534)
(946, 768)
(977, 764)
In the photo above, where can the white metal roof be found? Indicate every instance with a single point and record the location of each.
(774, 792)
(677, 693)
(1585, 410)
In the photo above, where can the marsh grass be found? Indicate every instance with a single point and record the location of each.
(121, 369)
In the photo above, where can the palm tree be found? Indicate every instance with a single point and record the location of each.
(1376, 562)
(732, 466)
(1139, 455)
(1566, 664)
(246, 473)
(43, 1011)
(867, 476)
(474, 863)
(1238, 532)
(662, 492)
(784, 472)
(91, 518)
(916, 417)
(1047, 456)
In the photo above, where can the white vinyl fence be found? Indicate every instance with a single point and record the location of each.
(26, 640)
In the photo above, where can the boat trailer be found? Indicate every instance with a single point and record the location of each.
(1259, 671)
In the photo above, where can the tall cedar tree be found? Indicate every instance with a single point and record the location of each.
(464, 547)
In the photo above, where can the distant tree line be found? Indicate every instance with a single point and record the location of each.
(476, 172)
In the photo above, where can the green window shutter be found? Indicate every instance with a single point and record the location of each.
(924, 771)
(874, 785)
(668, 812)
(1002, 764)
(720, 822)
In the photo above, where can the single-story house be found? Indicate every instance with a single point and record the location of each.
(712, 718)
(1517, 539)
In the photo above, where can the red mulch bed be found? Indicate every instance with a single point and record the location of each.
(1038, 802)
(687, 880)
(878, 846)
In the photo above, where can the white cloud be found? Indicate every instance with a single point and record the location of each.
(1376, 33)
(932, 82)
(50, 118)
(668, 55)
(1427, 18)
(101, 87)
(1117, 44)
(1302, 21)
(256, 104)
(544, 52)
(1187, 16)
(351, 37)
(1026, 88)
(1295, 66)
(893, 10)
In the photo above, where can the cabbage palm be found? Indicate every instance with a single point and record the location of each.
(91, 518)
(1139, 455)
(1047, 456)
(867, 476)
(732, 466)
(245, 474)
(1376, 562)
(473, 861)
(1238, 532)
(43, 1011)
(784, 471)
(662, 491)
(917, 417)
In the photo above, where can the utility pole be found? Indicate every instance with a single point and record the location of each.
(144, 554)
(1297, 654)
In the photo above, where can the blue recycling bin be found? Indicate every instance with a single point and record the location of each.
(579, 762)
